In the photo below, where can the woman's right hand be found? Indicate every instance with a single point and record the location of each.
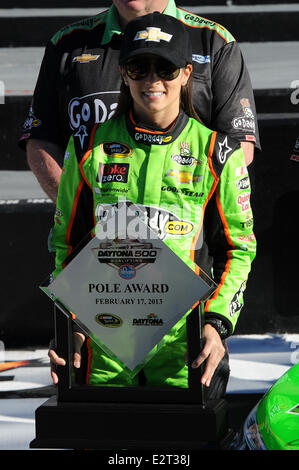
(55, 360)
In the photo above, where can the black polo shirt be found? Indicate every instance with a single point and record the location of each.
(79, 80)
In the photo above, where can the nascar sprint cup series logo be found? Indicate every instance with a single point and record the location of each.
(126, 255)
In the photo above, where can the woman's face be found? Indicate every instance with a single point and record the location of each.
(156, 99)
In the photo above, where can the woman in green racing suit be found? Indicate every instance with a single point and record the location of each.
(156, 152)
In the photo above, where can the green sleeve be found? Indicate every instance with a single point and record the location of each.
(68, 193)
(234, 244)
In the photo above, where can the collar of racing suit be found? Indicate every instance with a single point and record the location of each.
(112, 21)
(150, 136)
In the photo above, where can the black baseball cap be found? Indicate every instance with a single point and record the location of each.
(157, 34)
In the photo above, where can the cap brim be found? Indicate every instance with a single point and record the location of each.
(177, 61)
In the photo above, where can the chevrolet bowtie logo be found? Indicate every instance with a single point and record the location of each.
(85, 58)
(152, 34)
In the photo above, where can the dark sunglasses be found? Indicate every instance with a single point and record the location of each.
(138, 69)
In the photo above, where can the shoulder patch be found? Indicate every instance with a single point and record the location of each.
(224, 147)
(196, 21)
(86, 24)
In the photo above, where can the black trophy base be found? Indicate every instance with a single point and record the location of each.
(62, 425)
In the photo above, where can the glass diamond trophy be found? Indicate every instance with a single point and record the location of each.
(125, 288)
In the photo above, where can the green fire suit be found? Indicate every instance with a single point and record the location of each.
(195, 187)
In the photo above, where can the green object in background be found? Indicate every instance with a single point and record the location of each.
(277, 414)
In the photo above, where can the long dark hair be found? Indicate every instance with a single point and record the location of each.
(125, 101)
(186, 100)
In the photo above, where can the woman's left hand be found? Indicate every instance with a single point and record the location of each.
(212, 352)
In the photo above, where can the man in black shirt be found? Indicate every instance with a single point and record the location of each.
(79, 83)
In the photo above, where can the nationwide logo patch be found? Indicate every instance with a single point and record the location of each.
(85, 58)
(113, 173)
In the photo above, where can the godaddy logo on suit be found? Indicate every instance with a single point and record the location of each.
(92, 109)
(152, 138)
